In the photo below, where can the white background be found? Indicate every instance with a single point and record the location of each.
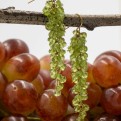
(99, 40)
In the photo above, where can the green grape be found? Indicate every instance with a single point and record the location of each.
(55, 14)
(78, 59)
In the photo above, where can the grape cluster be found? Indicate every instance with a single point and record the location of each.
(23, 86)
(55, 14)
(18, 68)
(29, 94)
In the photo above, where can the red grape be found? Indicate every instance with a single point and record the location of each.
(68, 74)
(72, 117)
(3, 83)
(111, 100)
(94, 92)
(114, 53)
(45, 74)
(39, 84)
(90, 74)
(107, 117)
(20, 97)
(2, 55)
(70, 110)
(96, 111)
(14, 47)
(14, 118)
(107, 71)
(64, 91)
(67, 61)
(94, 95)
(24, 66)
(51, 107)
(45, 62)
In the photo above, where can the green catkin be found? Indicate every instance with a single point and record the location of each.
(55, 14)
(78, 57)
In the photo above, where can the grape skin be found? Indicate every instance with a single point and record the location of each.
(51, 107)
(20, 97)
(24, 66)
(2, 55)
(14, 118)
(111, 100)
(14, 47)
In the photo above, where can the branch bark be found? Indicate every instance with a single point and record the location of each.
(37, 18)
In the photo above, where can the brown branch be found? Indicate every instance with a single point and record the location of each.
(37, 18)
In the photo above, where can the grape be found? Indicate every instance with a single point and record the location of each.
(94, 92)
(111, 100)
(95, 112)
(3, 83)
(70, 97)
(51, 107)
(70, 110)
(90, 77)
(64, 91)
(39, 84)
(45, 74)
(72, 117)
(14, 47)
(68, 74)
(94, 95)
(107, 117)
(45, 62)
(20, 97)
(67, 61)
(24, 66)
(2, 55)
(14, 118)
(114, 53)
(107, 71)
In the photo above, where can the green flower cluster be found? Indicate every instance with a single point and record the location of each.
(78, 59)
(55, 14)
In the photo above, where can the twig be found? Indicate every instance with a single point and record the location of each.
(31, 1)
(37, 18)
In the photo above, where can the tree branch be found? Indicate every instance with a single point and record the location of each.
(37, 18)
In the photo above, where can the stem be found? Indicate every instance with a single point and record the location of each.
(34, 119)
(37, 18)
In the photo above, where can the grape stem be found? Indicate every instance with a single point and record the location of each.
(34, 119)
(37, 18)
